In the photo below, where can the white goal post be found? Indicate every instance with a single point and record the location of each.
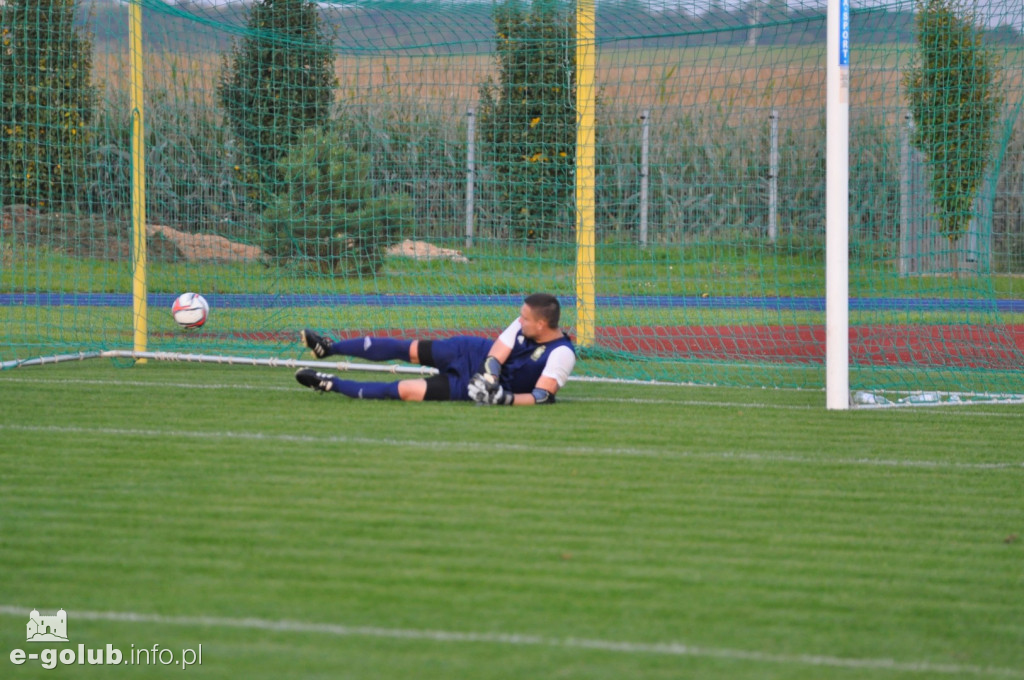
(837, 212)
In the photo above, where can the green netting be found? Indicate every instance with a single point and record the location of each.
(409, 167)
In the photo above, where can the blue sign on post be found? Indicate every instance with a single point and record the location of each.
(844, 32)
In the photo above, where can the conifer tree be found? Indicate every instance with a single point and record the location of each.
(47, 102)
(276, 82)
(955, 105)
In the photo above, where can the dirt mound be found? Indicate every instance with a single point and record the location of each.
(104, 238)
(206, 247)
(421, 250)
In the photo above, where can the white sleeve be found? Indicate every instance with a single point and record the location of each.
(560, 363)
(508, 336)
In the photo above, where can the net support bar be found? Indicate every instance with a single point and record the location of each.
(51, 359)
(273, 362)
(424, 371)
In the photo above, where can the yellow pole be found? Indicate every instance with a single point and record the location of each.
(139, 309)
(586, 58)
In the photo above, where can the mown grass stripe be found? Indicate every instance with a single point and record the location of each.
(512, 447)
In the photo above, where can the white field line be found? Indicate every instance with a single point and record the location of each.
(527, 640)
(961, 410)
(505, 447)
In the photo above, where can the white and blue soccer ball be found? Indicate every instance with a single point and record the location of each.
(190, 310)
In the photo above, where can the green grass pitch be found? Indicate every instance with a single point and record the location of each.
(626, 532)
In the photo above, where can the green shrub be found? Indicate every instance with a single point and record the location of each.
(328, 214)
(46, 102)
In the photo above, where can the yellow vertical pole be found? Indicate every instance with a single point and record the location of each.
(139, 308)
(586, 58)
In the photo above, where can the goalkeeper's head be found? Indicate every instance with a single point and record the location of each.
(546, 307)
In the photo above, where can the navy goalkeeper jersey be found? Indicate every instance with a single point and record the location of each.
(524, 365)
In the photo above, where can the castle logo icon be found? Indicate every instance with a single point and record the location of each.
(47, 628)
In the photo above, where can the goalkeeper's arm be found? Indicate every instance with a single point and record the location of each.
(501, 349)
(543, 393)
(497, 356)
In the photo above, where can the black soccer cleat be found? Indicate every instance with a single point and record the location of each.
(321, 382)
(317, 344)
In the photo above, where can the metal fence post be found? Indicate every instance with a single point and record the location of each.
(470, 172)
(773, 178)
(905, 228)
(645, 123)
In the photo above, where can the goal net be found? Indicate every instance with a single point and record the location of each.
(417, 168)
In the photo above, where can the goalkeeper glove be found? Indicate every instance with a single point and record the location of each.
(482, 392)
(479, 389)
(500, 397)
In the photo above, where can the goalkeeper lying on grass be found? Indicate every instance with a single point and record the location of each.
(526, 365)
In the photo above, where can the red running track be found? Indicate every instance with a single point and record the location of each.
(959, 346)
(951, 345)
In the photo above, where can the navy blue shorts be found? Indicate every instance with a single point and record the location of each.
(457, 359)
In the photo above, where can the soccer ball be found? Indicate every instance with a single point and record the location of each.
(190, 310)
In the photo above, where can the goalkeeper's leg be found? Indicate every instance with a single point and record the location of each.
(374, 349)
(434, 388)
(416, 389)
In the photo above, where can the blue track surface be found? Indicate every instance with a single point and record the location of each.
(228, 301)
